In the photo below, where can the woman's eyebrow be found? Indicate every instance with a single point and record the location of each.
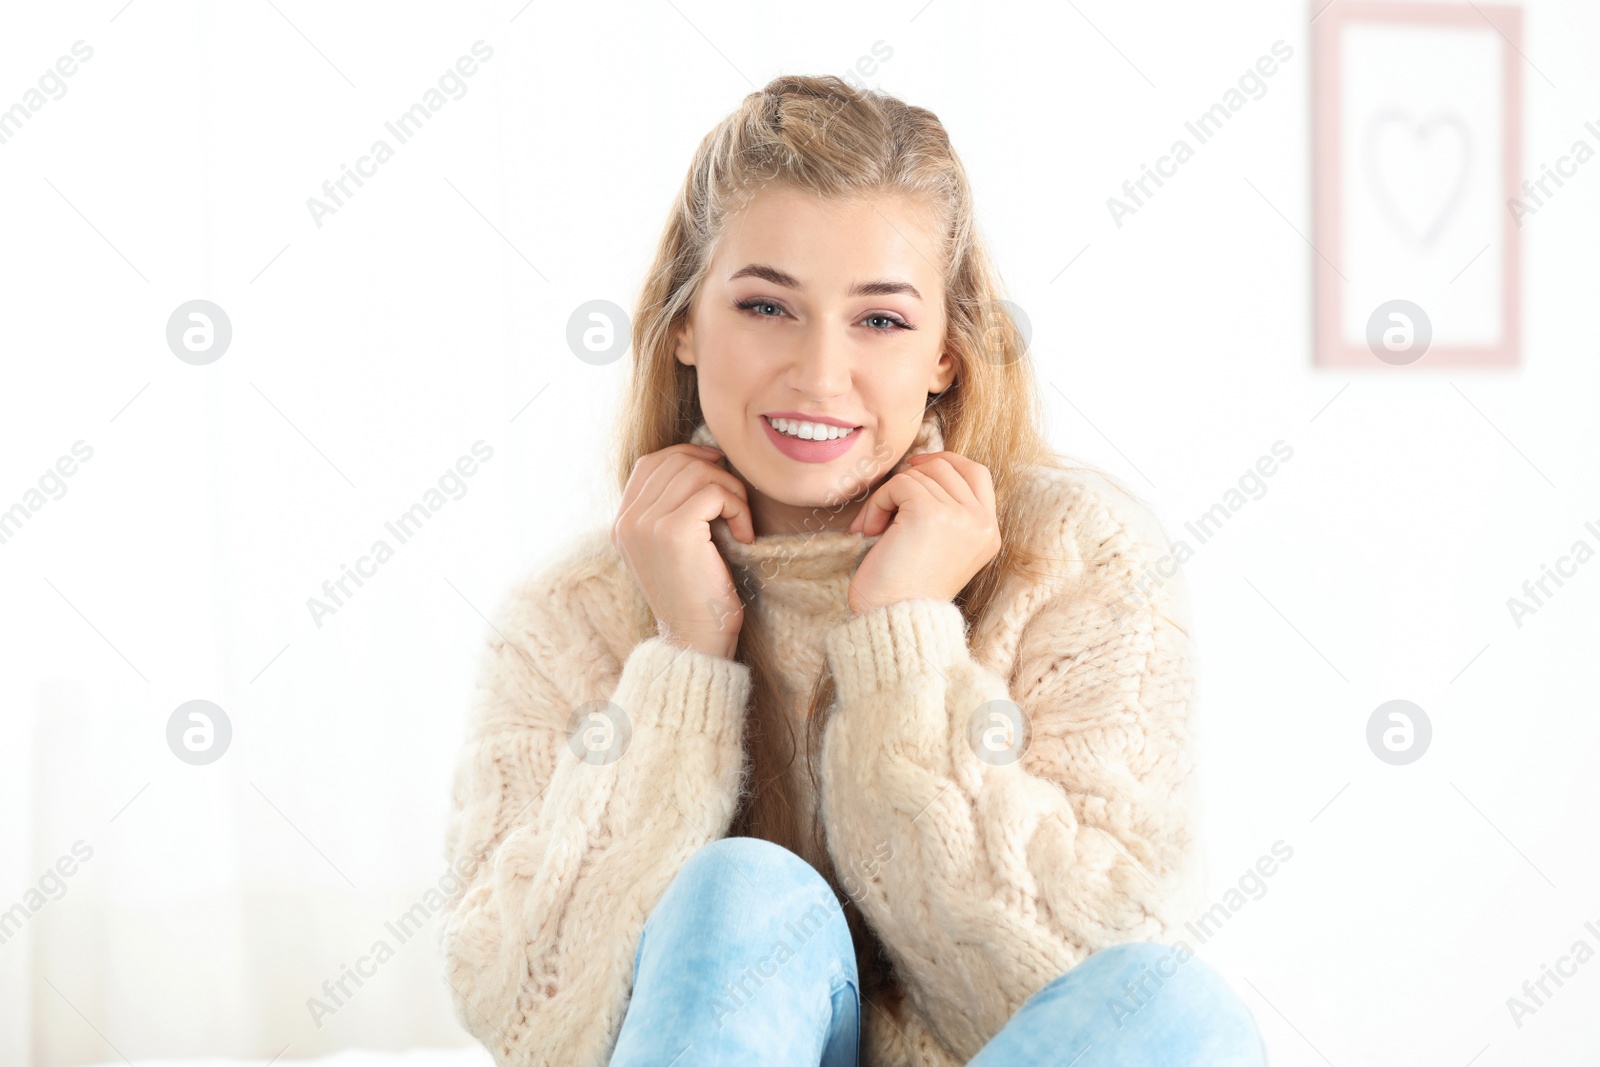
(789, 281)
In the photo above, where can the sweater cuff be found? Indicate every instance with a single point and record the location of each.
(679, 688)
(889, 646)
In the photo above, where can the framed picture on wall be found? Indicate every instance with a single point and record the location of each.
(1417, 148)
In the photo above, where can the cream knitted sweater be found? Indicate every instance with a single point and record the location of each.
(984, 878)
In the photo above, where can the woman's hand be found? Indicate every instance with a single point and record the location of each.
(943, 531)
(663, 532)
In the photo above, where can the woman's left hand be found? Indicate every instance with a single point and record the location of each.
(941, 530)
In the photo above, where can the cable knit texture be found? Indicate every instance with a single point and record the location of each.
(985, 877)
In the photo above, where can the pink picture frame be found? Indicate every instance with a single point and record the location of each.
(1332, 344)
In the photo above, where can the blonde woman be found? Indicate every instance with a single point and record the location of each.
(862, 735)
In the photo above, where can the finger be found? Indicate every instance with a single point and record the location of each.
(952, 487)
(876, 500)
(945, 485)
(973, 474)
(875, 505)
(650, 474)
(741, 520)
(647, 466)
(891, 498)
(714, 501)
(693, 475)
(676, 479)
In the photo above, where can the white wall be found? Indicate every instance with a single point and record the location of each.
(368, 354)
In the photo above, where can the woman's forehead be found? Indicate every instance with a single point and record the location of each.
(829, 246)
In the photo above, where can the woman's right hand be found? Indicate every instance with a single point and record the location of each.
(663, 532)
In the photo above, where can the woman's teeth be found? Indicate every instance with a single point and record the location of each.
(810, 431)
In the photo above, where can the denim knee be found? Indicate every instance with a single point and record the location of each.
(756, 878)
(1138, 956)
(731, 856)
(750, 951)
(1188, 994)
(1143, 968)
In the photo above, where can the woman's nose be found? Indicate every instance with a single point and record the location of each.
(822, 367)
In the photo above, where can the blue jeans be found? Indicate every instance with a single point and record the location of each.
(747, 959)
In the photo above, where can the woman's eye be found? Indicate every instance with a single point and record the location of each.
(878, 322)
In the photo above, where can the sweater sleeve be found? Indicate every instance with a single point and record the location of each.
(573, 806)
(991, 860)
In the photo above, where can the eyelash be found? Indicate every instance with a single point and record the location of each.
(897, 322)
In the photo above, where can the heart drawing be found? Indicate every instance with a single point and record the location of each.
(1418, 170)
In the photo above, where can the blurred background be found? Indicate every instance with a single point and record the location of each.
(195, 479)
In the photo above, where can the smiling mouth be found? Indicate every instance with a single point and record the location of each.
(798, 430)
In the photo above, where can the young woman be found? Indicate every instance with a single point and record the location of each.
(862, 736)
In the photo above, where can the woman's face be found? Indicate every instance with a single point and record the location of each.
(842, 320)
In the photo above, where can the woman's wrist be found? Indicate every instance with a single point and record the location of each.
(710, 644)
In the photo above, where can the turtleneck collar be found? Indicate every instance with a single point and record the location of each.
(811, 555)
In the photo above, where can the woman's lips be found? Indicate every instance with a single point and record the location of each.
(809, 451)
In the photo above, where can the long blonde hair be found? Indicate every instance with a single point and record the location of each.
(819, 134)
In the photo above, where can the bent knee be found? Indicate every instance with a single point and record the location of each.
(752, 863)
(762, 888)
(1157, 956)
(1173, 982)
(1150, 965)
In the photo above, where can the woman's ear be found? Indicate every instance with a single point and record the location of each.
(944, 373)
(683, 344)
